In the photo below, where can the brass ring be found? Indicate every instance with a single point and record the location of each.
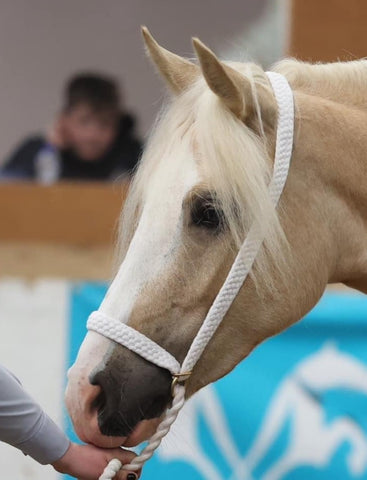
(179, 378)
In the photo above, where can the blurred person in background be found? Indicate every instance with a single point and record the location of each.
(91, 139)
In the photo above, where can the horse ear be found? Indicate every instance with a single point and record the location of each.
(178, 72)
(228, 84)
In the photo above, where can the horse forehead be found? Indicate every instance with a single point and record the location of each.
(161, 212)
(157, 233)
(170, 181)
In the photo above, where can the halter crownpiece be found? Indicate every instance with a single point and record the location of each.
(154, 353)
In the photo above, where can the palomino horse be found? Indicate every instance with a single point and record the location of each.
(203, 180)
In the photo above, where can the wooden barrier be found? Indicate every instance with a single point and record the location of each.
(328, 30)
(83, 214)
(65, 230)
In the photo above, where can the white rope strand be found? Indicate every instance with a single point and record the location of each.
(239, 271)
(250, 247)
(111, 470)
(162, 430)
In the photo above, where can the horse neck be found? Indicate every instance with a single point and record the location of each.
(330, 161)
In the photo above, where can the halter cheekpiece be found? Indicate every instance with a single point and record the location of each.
(154, 353)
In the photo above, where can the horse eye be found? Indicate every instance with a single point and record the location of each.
(205, 214)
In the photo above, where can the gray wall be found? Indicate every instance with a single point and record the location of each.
(42, 42)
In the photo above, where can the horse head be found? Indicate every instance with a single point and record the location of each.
(202, 182)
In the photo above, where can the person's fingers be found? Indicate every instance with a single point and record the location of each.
(125, 456)
(125, 475)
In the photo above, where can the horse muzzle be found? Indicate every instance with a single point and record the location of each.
(116, 403)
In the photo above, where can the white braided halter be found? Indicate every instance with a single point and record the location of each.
(146, 348)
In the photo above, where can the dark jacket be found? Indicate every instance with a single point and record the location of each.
(121, 157)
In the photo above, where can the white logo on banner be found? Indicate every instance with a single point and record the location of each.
(313, 441)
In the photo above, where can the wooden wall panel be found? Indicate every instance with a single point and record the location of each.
(327, 30)
(65, 213)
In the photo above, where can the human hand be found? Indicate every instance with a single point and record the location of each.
(56, 134)
(87, 462)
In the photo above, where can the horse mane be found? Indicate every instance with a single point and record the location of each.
(342, 82)
(233, 162)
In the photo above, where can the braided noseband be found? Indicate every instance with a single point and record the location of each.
(146, 348)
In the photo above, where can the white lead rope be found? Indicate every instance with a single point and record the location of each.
(146, 348)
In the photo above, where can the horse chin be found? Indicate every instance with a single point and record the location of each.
(91, 434)
(142, 432)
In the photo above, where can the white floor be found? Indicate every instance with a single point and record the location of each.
(33, 346)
